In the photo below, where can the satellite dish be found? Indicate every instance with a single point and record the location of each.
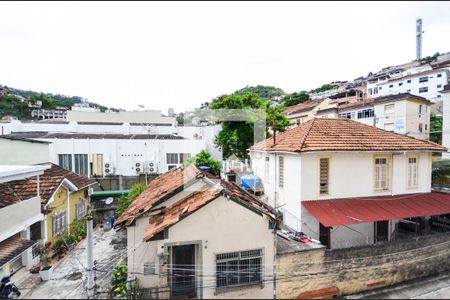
(109, 200)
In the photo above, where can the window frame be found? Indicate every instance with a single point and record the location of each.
(59, 222)
(387, 186)
(281, 172)
(423, 89)
(320, 176)
(78, 212)
(62, 160)
(423, 79)
(239, 256)
(408, 174)
(81, 163)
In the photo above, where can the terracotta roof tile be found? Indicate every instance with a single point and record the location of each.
(12, 247)
(15, 191)
(310, 104)
(159, 188)
(180, 210)
(322, 134)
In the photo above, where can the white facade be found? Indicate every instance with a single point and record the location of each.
(446, 123)
(426, 83)
(406, 115)
(145, 117)
(351, 174)
(18, 217)
(14, 152)
(205, 229)
(122, 155)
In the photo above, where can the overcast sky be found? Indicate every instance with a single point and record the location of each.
(179, 55)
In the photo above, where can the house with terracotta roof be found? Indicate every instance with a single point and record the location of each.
(346, 183)
(20, 215)
(191, 234)
(64, 197)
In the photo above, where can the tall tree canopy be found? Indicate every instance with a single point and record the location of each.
(236, 137)
(295, 98)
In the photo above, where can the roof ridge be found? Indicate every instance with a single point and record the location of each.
(302, 141)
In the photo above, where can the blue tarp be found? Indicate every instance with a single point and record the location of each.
(251, 182)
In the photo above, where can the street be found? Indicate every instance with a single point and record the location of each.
(69, 275)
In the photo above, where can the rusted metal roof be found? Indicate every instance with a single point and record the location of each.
(323, 134)
(336, 212)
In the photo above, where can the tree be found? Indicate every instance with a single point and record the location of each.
(126, 200)
(236, 137)
(204, 158)
(262, 91)
(295, 98)
(436, 128)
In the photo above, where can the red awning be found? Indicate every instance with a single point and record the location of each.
(347, 211)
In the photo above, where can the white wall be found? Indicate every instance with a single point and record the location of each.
(20, 216)
(14, 152)
(208, 226)
(446, 124)
(414, 86)
(151, 116)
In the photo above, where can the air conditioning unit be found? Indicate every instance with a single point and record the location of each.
(152, 167)
(108, 169)
(139, 167)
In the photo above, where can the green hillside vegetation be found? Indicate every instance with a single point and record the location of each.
(10, 105)
(262, 91)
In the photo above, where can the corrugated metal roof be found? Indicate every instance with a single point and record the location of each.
(336, 212)
(111, 136)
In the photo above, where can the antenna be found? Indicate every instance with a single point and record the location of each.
(419, 33)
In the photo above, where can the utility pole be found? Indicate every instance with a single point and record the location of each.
(90, 259)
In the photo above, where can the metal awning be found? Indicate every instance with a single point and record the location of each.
(106, 194)
(349, 211)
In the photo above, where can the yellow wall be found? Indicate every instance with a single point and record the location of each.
(60, 203)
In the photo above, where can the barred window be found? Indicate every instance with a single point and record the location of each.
(239, 268)
(172, 158)
(80, 208)
(412, 172)
(59, 222)
(381, 174)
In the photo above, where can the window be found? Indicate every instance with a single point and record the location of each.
(420, 111)
(80, 208)
(365, 113)
(408, 91)
(281, 171)
(175, 159)
(439, 75)
(81, 164)
(381, 174)
(423, 89)
(346, 115)
(423, 79)
(96, 164)
(65, 161)
(400, 83)
(172, 158)
(426, 127)
(370, 91)
(59, 222)
(324, 174)
(420, 127)
(408, 81)
(391, 85)
(239, 268)
(439, 86)
(389, 110)
(375, 90)
(266, 170)
(412, 172)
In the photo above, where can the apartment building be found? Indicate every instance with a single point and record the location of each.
(446, 120)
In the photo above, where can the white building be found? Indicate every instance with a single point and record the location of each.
(426, 82)
(50, 114)
(401, 113)
(446, 120)
(17, 151)
(20, 215)
(84, 106)
(116, 149)
(340, 160)
(140, 117)
(193, 235)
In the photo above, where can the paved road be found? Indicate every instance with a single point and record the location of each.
(69, 276)
(430, 288)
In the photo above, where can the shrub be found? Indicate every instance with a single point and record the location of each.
(119, 280)
(125, 200)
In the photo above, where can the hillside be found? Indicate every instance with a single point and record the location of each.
(20, 103)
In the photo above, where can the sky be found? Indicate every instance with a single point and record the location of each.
(181, 54)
